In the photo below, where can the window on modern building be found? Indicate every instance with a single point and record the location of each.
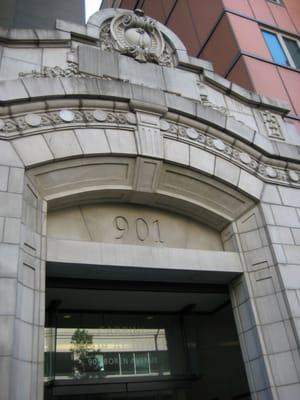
(284, 50)
(275, 1)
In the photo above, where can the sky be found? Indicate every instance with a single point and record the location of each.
(91, 6)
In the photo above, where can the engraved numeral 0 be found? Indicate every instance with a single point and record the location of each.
(142, 229)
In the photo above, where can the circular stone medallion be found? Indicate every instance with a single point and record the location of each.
(100, 115)
(33, 119)
(192, 133)
(271, 172)
(67, 115)
(164, 125)
(245, 158)
(130, 118)
(219, 144)
(294, 176)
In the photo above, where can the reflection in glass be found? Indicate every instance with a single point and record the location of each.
(275, 48)
(109, 352)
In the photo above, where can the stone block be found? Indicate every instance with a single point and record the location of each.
(281, 235)
(12, 230)
(239, 129)
(237, 106)
(147, 74)
(6, 336)
(94, 61)
(290, 196)
(202, 160)
(250, 240)
(23, 341)
(10, 204)
(92, 141)
(290, 275)
(246, 316)
(271, 194)
(22, 373)
(182, 83)
(285, 216)
(211, 116)
(292, 254)
(279, 254)
(267, 213)
(43, 87)
(268, 309)
(8, 155)
(275, 338)
(176, 103)
(252, 344)
(28, 276)
(34, 56)
(50, 35)
(5, 377)
(217, 80)
(283, 368)
(16, 180)
(296, 236)
(11, 69)
(33, 150)
(25, 304)
(115, 89)
(289, 392)
(287, 150)
(176, 152)
(225, 170)
(63, 143)
(148, 95)
(78, 86)
(3, 177)
(259, 374)
(121, 141)
(11, 90)
(250, 184)
(8, 296)
(150, 141)
(55, 57)
(245, 119)
(265, 144)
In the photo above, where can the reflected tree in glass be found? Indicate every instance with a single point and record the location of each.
(81, 345)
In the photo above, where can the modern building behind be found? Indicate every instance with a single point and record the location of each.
(42, 14)
(254, 43)
(149, 215)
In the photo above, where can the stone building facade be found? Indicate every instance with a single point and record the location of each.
(135, 180)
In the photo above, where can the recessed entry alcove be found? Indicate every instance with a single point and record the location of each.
(137, 282)
(137, 306)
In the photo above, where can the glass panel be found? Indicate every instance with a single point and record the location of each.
(294, 50)
(275, 48)
(108, 352)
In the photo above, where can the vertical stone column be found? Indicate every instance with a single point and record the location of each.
(262, 316)
(11, 197)
(22, 282)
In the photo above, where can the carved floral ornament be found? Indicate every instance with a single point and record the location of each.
(137, 36)
(66, 118)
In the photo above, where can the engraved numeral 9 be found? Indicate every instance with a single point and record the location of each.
(121, 225)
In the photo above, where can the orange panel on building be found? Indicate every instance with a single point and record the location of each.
(261, 11)
(244, 29)
(229, 34)
(222, 48)
(266, 79)
(240, 6)
(240, 74)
